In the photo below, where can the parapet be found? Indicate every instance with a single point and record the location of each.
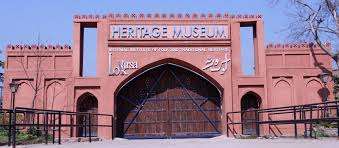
(164, 16)
(24, 49)
(296, 46)
(35, 47)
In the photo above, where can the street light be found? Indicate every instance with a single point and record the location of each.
(14, 87)
(325, 77)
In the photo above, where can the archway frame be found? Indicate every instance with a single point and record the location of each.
(22, 82)
(84, 95)
(78, 101)
(259, 102)
(47, 87)
(169, 61)
(308, 80)
(250, 92)
(289, 81)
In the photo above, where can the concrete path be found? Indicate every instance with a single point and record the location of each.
(218, 142)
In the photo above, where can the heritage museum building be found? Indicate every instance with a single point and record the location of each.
(165, 75)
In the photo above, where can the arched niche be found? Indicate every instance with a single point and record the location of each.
(316, 93)
(87, 103)
(282, 93)
(249, 103)
(56, 96)
(24, 96)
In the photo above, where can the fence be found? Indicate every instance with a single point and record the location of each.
(52, 123)
(306, 115)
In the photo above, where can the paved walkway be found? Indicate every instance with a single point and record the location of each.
(218, 142)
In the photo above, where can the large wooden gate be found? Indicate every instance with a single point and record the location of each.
(167, 102)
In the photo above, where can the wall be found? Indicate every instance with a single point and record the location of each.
(43, 72)
(292, 73)
(292, 78)
(283, 73)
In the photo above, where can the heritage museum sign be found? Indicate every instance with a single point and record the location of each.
(130, 32)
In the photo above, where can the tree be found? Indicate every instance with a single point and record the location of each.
(2, 64)
(315, 21)
(37, 73)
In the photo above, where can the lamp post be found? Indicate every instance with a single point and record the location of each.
(325, 78)
(13, 87)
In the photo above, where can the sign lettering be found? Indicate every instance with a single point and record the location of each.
(216, 65)
(122, 67)
(169, 32)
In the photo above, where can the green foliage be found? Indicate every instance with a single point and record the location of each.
(3, 132)
(326, 124)
(320, 134)
(246, 136)
(26, 136)
(34, 131)
(324, 129)
(3, 136)
(31, 136)
(4, 118)
(335, 78)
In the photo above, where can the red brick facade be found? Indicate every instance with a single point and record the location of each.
(285, 74)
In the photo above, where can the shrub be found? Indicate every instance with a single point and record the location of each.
(33, 131)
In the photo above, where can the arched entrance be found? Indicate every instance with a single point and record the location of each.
(168, 101)
(87, 102)
(249, 102)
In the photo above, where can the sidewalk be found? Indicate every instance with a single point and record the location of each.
(218, 142)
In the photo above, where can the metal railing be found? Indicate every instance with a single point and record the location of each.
(307, 115)
(50, 122)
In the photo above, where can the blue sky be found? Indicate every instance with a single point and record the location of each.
(50, 22)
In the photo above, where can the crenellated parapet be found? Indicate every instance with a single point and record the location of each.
(35, 47)
(165, 16)
(298, 56)
(21, 49)
(295, 46)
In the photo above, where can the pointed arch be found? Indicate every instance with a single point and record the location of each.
(173, 61)
(282, 93)
(282, 82)
(24, 95)
(168, 92)
(316, 91)
(55, 96)
(250, 100)
(313, 82)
